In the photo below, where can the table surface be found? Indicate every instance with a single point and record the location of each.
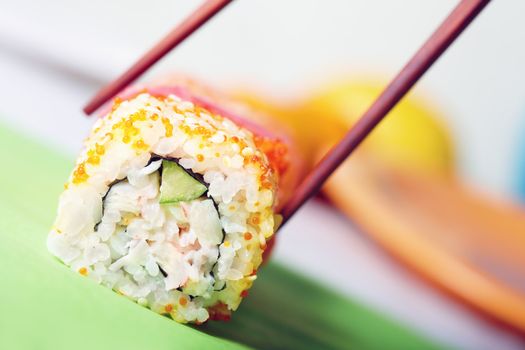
(46, 79)
(71, 307)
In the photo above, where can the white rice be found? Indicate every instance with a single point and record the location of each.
(182, 259)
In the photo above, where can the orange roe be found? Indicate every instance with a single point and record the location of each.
(199, 110)
(276, 151)
(177, 110)
(255, 220)
(92, 157)
(139, 144)
(80, 169)
(116, 102)
(201, 129)
(168, 126)
(80, 175)
(140, 115)
(254, 159)
(247, 236)
(83, 271)
(200, 157)
(267, 185)
(168, 308)
(183, 301)
(94, 160)
(100, 149)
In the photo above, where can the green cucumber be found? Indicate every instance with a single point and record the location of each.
(177, 185)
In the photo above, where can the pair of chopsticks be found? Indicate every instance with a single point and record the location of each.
(439, 41)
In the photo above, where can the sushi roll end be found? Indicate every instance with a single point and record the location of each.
(169, 205)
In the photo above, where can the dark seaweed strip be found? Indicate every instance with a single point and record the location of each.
(152, 159)
(196, 176)
(219, 214)
(104, 198)
(164, 273)
(181, 289)
(218, 250)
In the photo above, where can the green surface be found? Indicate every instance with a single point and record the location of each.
(177, 185)
(43, 305)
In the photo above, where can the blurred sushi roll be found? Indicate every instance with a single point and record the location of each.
(171, 203)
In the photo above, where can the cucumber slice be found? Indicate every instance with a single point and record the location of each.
(177, 185)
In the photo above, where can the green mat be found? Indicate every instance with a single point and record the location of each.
(43, 305)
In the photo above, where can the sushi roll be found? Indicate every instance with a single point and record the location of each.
(172, 202)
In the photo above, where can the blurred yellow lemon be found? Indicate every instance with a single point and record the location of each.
(411, 136)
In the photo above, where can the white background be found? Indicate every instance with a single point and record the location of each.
(54, 55)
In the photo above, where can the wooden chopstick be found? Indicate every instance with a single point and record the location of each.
(170, 41)
(431, 50)
(439, 41)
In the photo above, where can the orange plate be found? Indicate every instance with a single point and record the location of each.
(468, 245)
